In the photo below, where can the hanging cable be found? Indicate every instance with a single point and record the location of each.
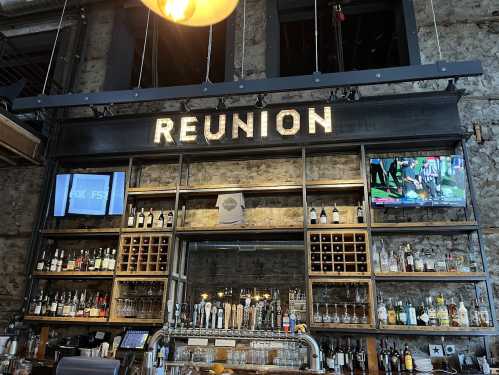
(436, 30)
(144, 48)
(154, 52)
(208, 59)
(243, 49)
(316, 38)
(59, 27)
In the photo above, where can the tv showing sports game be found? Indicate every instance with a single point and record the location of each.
(433, 181)
(89, 194)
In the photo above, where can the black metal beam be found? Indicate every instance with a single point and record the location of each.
(439, 70)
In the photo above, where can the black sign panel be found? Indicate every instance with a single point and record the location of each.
(384, 118)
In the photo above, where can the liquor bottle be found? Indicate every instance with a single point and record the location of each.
(411, 315)
(432, 313)
(112, 261)
(105, 261)
(80, 311)
(422, 317)
(453, 314)
(440, 264)
(408, 360)
(442, 312)
(98, 260)
(401, 314)
(400, 257)
(94, 310)
(462, 313)
(131, 217)
(395, 360)
(313, 216)
(473, 262)
(59, 262)
(382, 313)
(484, 314)
(150, 219)
(45, 305)
(360, 214)
(451, 263)
(393, 264)
(53, 262)
(86, 261)
(38, 303)
(161, 220)
(74, 305)
(67, 305)
(323, 216)
(384, 358)
(475, 314)
(376, 258)
(92, 258)
(141, 219)
(336, 215)
(429, 260)
(418, 262)
(409, 259)
(41, 263)
(384, 258)
(71, 261)
(53, 305)
(391, 313)
(169, 219)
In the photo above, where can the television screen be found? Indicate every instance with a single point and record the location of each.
(89, 194)
(435, 181)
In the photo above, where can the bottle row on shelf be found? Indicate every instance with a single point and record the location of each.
(430, 314)
(95, 260)
(341, 356)
(406, 259)
(65, 303)
(336, 218)
(138, 219)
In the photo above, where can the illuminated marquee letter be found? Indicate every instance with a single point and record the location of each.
(295, 115)
(264, 124)
(164, 128)
(208, 135)
(314, 118)
(186, 129)
(247, 126)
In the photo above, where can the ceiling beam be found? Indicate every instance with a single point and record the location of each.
(438, 70)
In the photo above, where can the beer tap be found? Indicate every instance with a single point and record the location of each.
(246, 313)
(194, 316)
(214, 311)
(220, 318)
(227, 311)
(253, 318)
(177, 314)
(201, 313)
(233, 319)
(239, 314)
(207, 311)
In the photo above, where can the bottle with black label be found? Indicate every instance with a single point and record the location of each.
(131, 217)
(160, 223)
(150, 219)
(323, 217)
(313, 216)
(141, 219)
(41, 263)
(360, 214)
(336, 215)
(169, 219)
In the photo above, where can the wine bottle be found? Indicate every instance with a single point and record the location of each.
(161, 220)
(313, 216)
(336, 215)
(360, 214)
(150, 219)
(53, 263)
(169, 219)
(323, 217)
(141, 218)
(131, 217)
(112, 261)
(41, 263)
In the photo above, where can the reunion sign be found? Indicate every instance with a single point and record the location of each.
(395, 117)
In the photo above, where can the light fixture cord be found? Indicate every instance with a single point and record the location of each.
(208, 58)
(59, 27)
(436, 30)
(316, 38)
(243, 51)
(144, 48)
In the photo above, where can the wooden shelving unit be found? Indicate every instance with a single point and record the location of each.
(463, 330)
(74, 275)
(425, 227)
(64, 319)
(431, 276)
(331, 185)
(93, 232)
(235, 188)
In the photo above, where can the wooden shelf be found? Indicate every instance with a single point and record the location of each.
(142, 230)
(331, 185)
(65, 319)
(430, 276)
(438, 329)
(259, 369)
(340, 326)
(236, 188)
(94, 232)
(426, 227)
(338, 274)
(73, 275)
(153, 192)
(135, 321)
(336, 226)
(239, 229)
(142, 273)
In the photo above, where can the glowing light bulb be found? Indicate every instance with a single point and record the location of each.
(177, 10)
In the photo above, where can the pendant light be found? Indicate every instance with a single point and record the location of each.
(193, 12)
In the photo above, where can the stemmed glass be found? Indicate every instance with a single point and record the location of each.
(346, 317)
(317, 315)
(364, 319)
(355, 318)
(326, 318)
(336, 317)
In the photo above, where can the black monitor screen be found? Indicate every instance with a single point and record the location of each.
(134, 340)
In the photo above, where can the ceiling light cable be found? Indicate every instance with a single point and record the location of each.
(436, 30)
(316, 38)
(243, 48)
(144, 48)
(59, 27)
(208, 58)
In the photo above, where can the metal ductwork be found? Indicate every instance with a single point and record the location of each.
(247, 246)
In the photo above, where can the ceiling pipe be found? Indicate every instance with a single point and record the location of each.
(15, 8)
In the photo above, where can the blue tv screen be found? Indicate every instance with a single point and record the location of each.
(89, 194)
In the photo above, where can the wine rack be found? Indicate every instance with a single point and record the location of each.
(341, 303)
(343, 253)
(144, 254)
